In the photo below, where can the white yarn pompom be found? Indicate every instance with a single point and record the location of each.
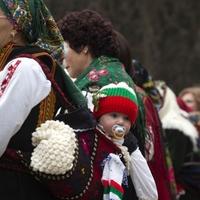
(56, 144)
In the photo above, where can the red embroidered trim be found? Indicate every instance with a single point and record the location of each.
(5, 82)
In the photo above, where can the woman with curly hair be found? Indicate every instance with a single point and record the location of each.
(92, 50)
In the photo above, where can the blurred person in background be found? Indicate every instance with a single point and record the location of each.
(191, 97)
(182, 138)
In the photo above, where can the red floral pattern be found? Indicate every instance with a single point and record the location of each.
(5, 82)
(95, 75)
(102, 72)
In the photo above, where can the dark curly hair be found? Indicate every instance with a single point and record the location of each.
(89, 28)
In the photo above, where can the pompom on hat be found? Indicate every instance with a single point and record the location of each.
(116, 98)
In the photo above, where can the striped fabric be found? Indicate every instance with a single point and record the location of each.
(112, 178)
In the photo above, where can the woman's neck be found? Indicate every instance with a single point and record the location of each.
(19, 40)
(88, 61)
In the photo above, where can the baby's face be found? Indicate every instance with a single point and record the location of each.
(108, 120)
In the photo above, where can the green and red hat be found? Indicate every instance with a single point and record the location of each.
(116, 98)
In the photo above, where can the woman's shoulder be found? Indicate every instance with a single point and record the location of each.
(24, 64)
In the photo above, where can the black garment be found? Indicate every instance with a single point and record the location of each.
(129, 193)
(21, 186)
(181, 148)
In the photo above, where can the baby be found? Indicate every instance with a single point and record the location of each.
(116, 108)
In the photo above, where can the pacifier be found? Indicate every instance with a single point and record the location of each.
(118, 132)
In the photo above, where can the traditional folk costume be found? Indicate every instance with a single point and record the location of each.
(121, 98)
(157, 152)
(27, 97)
(182, 139)
(37, 102)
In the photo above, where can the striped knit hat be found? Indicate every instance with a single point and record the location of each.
(116, 98)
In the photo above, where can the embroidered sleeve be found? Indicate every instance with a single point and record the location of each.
(22, 86)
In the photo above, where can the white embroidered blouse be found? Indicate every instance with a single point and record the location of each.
(23, 85)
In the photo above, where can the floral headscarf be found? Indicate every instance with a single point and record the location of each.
(34, 20)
